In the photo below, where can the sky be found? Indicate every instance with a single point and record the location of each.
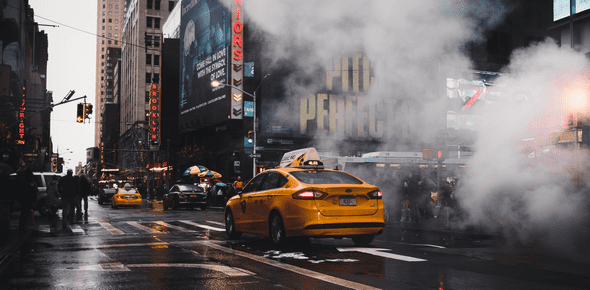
(71, 66)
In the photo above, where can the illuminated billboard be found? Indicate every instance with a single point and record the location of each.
(581, 5)
(205, 35)
(561, 9)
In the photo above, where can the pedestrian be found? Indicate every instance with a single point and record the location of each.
(52, 196)
(85, 191)
(68, 187)
(238, 184)
(28, 195)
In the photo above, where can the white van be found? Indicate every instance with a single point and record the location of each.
(41, 180)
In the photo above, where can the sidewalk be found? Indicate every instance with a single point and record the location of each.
(12, 240)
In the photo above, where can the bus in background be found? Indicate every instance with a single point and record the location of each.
(390, 169)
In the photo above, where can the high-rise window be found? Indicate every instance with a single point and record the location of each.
(149, 4)
(156, 41)
(148, 59)
(170, 5)
(157, 5)
(156, 22)
(156, 59)
(149, 22)
(148, 78)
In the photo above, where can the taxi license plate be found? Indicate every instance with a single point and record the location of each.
(130, 197)
(193, 195)
(347, 200)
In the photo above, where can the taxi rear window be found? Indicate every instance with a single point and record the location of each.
(325, 177)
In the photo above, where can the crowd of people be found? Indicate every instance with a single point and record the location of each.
(73, 191)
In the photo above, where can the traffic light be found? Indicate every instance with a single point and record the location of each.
(80, 117)
(250, 136)
(441, 154)
(87, 111)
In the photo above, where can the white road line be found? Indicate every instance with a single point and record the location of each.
(144, 228)
(230, 271)
(45, 228)
(377, 252)
(113, 230)
(216, 223)
(119, 267)
(175, 227)
(76, 229)
(203, 226)
(295, 269)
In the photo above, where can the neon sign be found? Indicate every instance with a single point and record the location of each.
(20, 136)
(237, 73)
(154, 119)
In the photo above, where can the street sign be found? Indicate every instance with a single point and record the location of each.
(255, 155)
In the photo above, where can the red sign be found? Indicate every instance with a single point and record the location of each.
(154, 120)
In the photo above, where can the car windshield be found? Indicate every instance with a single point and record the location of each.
(189, 188)
(325, 177)
(122, 190)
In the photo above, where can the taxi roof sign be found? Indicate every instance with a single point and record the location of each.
(301, 158)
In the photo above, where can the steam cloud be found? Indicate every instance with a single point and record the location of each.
(407, 42)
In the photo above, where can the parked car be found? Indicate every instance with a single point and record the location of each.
(185, 195)
(106, 194)
(41, 180)
(126, 196)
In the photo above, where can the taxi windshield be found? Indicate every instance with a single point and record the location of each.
(122, 190)
(189, 188)
(325, 177)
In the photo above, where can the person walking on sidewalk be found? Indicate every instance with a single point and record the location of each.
(28, 195)
(69, 188)
(52, 196)
(85, 191)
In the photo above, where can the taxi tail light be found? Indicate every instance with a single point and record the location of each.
(377, 194)
(309, 194)
(118, 196)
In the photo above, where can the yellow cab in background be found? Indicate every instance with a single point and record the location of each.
(302, 199)
(126, 196)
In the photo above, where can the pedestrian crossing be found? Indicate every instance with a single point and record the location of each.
(135, 227)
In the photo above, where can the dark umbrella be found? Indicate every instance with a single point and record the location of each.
(5, 169)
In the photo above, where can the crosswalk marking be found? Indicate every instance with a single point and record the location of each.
(160, 227)
(174, 227)
(45, 228)
(216, 223)
(76, 229)
(142, 227)
(203, 226)
(113, 230)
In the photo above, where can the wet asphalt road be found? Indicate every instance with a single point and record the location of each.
(187, 249)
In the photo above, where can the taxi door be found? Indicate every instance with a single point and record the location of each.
(247, 215)
(263, 201)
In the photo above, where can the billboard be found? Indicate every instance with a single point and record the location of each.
(561, 9)
(205, 35)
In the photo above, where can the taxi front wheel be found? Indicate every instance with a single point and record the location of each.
(230, 227)
(277, 230)
(363, 240)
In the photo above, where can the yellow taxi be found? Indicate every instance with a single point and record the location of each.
(126, 196)
(302, 199)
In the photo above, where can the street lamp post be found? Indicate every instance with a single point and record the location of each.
(216, 84)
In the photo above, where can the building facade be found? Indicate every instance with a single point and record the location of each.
(108, 51)
(25, 104)
(140, 67)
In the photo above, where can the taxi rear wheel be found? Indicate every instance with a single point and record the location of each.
(230, 227)
(363, 240)
(277, 230)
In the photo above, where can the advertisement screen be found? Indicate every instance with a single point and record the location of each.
(581, 5)
(205, 34)
(561, 9)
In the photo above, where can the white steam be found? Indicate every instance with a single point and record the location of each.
(518, 182)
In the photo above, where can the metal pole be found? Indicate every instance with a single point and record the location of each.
(254, 140)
